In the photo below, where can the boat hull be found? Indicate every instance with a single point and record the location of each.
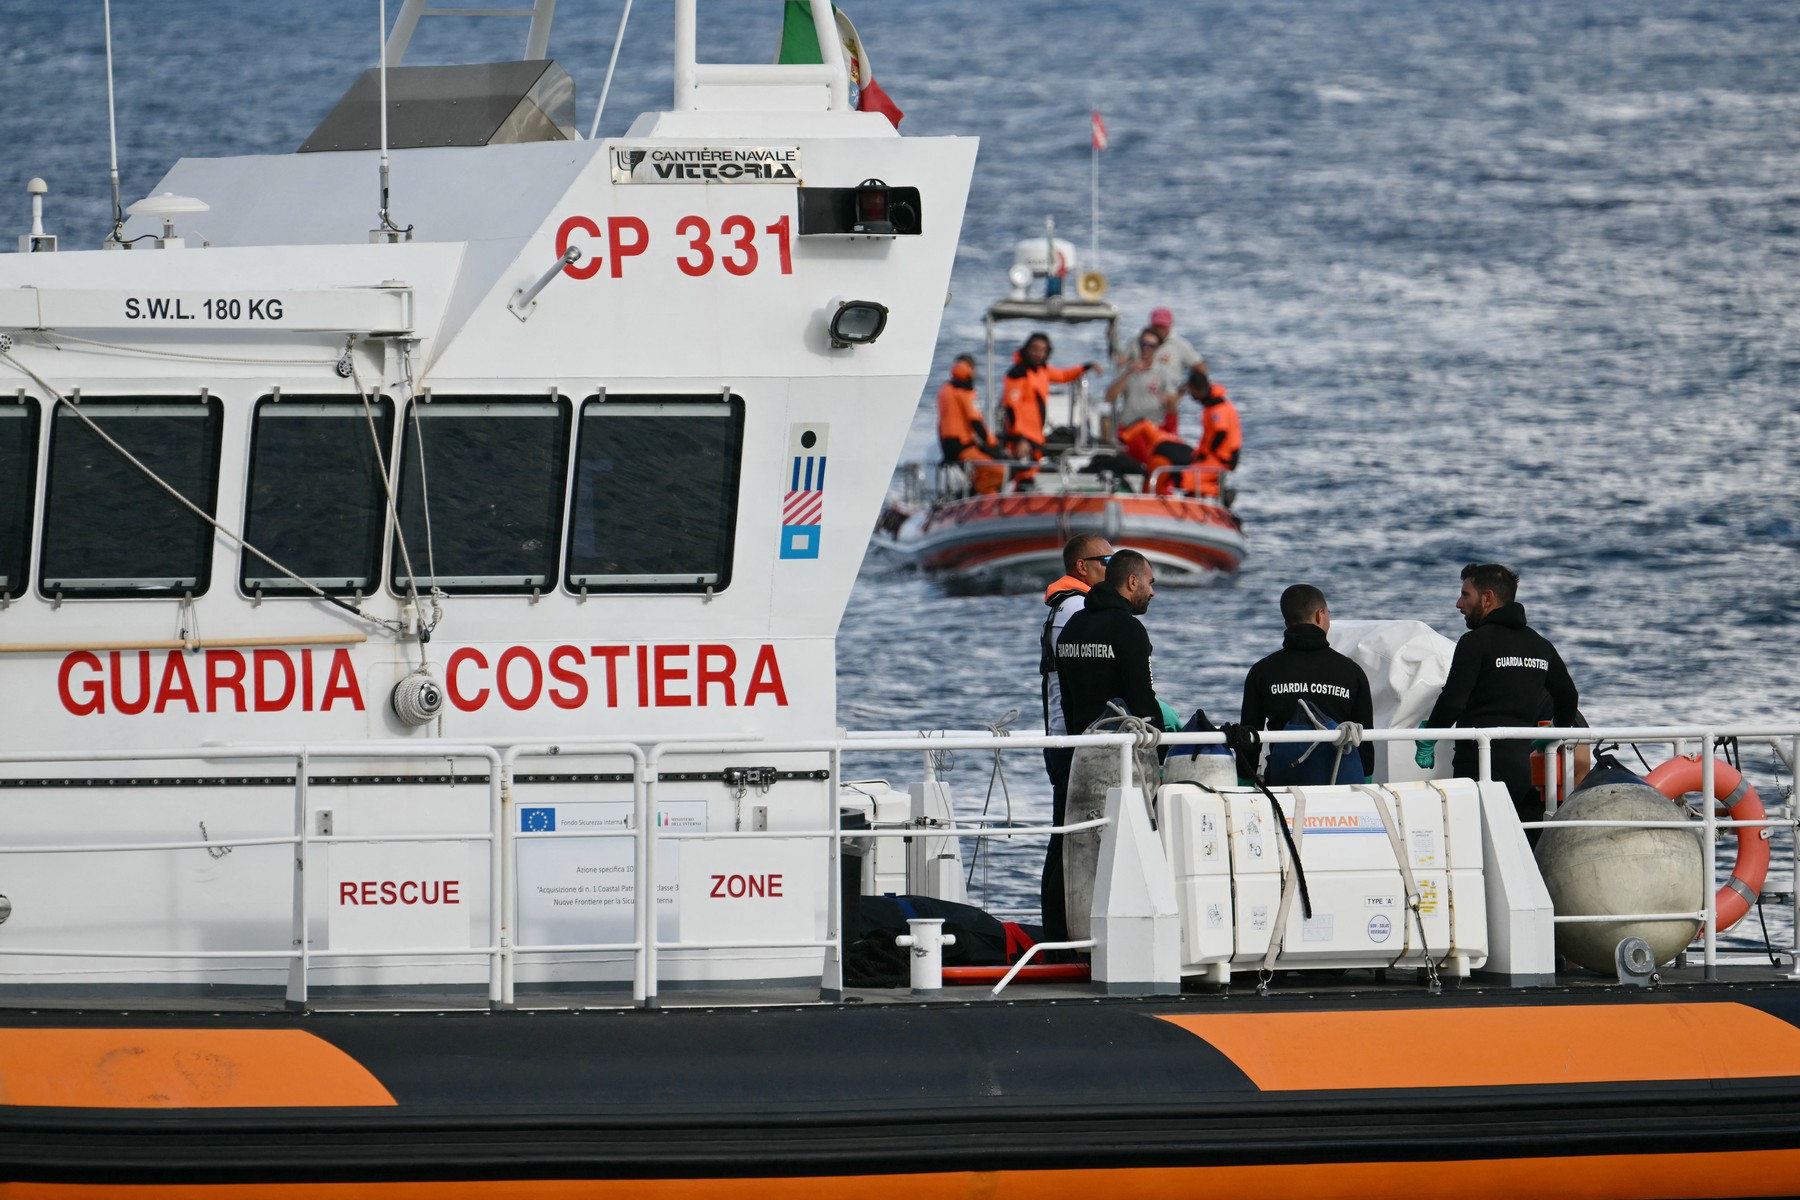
(1014, 541)
(1150, 1097)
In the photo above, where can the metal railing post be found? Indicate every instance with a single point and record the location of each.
(646, 881)
(1710, 830)
(1484, 758)
(501, 892)
(296, 988)
(831, 984)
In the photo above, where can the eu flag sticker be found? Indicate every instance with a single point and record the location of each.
(537, 820)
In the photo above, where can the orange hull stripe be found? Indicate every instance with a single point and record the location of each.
(1615, 1176)
(180, 1068)
(1496, 1047)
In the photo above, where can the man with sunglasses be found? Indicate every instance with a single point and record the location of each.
(1084, 564)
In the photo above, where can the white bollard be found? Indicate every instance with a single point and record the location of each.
(927, 940)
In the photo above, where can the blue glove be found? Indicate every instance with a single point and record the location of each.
(1425, 753)
(1171, 720)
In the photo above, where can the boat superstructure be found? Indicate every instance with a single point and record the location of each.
(421, 767)
(583, 455)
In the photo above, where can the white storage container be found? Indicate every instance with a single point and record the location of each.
(1229, 863)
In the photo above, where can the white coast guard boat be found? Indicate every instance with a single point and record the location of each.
(381, 619)
(1012, 540)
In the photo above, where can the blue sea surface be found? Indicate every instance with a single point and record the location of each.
(1512, 281)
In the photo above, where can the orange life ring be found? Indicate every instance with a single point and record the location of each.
(1679, 776)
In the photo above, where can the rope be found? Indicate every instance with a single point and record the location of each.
(998, 729)
(1413, 896)
(387, 490)
(1349, 737)
(1295, 880)
(159, 481)
(181, 355)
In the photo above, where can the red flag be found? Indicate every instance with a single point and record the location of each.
(1098, 128)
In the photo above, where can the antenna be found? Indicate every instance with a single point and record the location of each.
(387, 230)
(112, 127)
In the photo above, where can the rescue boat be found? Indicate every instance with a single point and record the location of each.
(362, 682)
(1012, 540)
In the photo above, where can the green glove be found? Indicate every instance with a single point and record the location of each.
(1171, 720)
(1425, 753)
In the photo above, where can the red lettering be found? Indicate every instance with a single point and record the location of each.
(746, 887)
(706, 675)
(120, 703)
(696, 230)
(502, 675)
(409, 892)
(176, 685)
(666, 674)
(643, 676)
(745, 242)
(220, 679)
(452, 888)
(387, 891)
(784, 250)
(766, 677)
(616, 228)
(347, 893)
(93, 690)
(368, 891)
(306, 688)
(267, 700)
(612, 655)
(561, 674)
(466, 703)
(341, 682)
(430, 891)
(585, 270)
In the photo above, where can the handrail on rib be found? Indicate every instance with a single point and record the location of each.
(502, 947)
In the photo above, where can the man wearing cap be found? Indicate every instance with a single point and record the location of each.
(1172, 361)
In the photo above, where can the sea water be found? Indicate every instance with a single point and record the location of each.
(1510, 281)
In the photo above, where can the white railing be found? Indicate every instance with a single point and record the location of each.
(501, 833)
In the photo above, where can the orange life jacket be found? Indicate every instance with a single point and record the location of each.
(1221, 432)
(1026, 400)
(1146, 442)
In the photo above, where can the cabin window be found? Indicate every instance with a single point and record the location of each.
(315, 499)
(18, 489)
(491, 484)
(656, 481)
(109, 529)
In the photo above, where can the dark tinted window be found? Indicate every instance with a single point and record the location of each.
(108, 529)
(18, 488)
(493, 480)
(656, 484)
(315, 499)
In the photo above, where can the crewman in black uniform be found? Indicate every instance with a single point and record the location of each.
(1503, 673)
(1305, 668)
(1104, 652)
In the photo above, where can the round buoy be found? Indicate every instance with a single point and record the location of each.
(1597, 871)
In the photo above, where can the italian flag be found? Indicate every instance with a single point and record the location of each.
(800, 44)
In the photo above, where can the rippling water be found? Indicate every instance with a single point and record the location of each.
(1505, 281)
